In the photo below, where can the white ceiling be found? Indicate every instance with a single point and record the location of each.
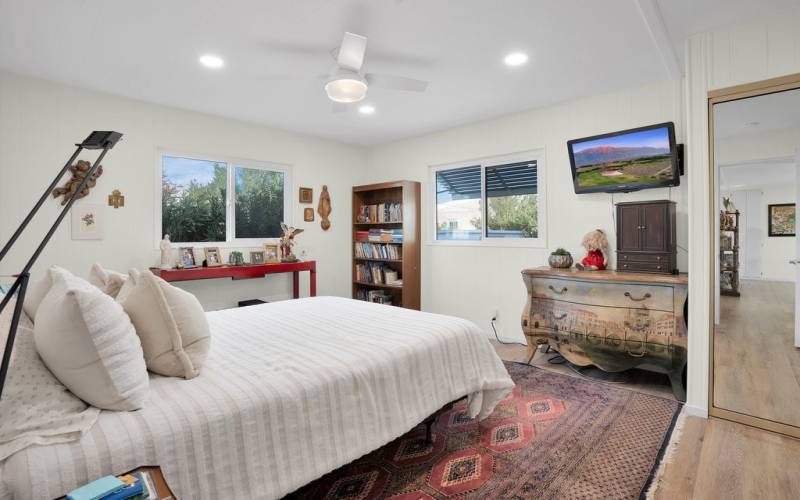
(757, 115)
(148, 50)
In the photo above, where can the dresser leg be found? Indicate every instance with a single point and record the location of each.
(531, 351)
(676, 379)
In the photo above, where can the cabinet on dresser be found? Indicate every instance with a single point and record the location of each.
(611, 319)
(646, 236)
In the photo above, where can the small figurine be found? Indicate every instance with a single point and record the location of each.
(287, 242)
(596, 245)
(166, 253)
(79, 172)
(324, 208)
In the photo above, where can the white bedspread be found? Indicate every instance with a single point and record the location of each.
(291, 390)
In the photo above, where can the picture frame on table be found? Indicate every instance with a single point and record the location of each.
(272, 253)
(306, 195)
(213, 256)
(186, 257)
(257, 257)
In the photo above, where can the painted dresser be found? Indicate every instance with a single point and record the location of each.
(613, 320)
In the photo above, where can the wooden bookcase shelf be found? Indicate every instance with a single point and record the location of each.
(406, 194)
(729, 254)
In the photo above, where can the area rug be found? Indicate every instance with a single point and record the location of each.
(554, 436)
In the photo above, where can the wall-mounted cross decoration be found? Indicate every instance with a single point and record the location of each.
(116, 199)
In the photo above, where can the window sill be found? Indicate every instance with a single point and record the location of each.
(491, 243)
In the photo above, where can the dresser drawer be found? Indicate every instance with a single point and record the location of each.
(612, 324)
(657, 258)
(646, 267)
(626, 295)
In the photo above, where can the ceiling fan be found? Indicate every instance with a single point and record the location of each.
(347, 82)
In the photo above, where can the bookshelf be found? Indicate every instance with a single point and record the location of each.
(386, 242)
(729, 253)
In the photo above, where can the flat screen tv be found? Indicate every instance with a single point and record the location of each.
(639, 158)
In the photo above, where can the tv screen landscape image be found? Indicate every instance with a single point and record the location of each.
(625, 161)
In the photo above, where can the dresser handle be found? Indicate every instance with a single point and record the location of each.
(562, 292)
(646, 296)
(560, 317)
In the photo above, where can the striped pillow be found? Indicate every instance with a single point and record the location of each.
(89, 343)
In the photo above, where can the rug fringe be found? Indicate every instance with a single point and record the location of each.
(669, 455)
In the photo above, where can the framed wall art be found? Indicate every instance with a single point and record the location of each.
(87, 221)
(306, 195)
(781, 219)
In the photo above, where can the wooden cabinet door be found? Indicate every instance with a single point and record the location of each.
(654, 220)
(628, 227)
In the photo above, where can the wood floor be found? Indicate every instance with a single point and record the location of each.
(756, 366)
(713, 458)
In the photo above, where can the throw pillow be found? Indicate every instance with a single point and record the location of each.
(170, 322)
(106, 280)
(90, 345)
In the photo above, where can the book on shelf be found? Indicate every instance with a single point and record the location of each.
(382, 212)
(376, 296)
(382, 235)
(374, 273)
(365, 250)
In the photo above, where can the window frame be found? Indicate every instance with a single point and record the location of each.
(540, 241)
(230, 197)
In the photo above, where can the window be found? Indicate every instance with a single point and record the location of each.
(212, 200)
(496, 201)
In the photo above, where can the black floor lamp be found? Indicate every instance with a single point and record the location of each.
(96, 140)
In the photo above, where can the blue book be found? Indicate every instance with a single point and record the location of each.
(96, 489)
(130, 490)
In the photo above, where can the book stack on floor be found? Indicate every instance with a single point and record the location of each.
(382, 212)
(135, 486)
(376, 251)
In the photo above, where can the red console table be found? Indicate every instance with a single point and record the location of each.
(246, 272)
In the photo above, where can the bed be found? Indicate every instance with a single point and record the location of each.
(291, 390)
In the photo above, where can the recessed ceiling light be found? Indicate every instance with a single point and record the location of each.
(366, 109)
(516, 59)
(752, 124)
(211, 61)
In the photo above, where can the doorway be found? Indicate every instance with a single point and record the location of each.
(755, 342)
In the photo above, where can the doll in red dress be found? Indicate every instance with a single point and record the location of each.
(596, 245)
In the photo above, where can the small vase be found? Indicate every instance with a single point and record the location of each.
(560, 261)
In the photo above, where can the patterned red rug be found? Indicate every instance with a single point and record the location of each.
(555, 436)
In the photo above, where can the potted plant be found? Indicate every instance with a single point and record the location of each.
(560, 259)
(236, 258)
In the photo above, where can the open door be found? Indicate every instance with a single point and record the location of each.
(796, 260)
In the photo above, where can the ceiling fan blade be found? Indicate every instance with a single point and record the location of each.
(351, 52)
(339, 107)
(396, 82)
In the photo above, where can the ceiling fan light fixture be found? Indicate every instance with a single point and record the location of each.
(346, 89)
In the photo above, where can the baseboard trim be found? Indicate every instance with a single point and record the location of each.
(695, 411)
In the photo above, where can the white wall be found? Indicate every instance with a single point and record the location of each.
(471, 282)
(755, 50)
(40, 122)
